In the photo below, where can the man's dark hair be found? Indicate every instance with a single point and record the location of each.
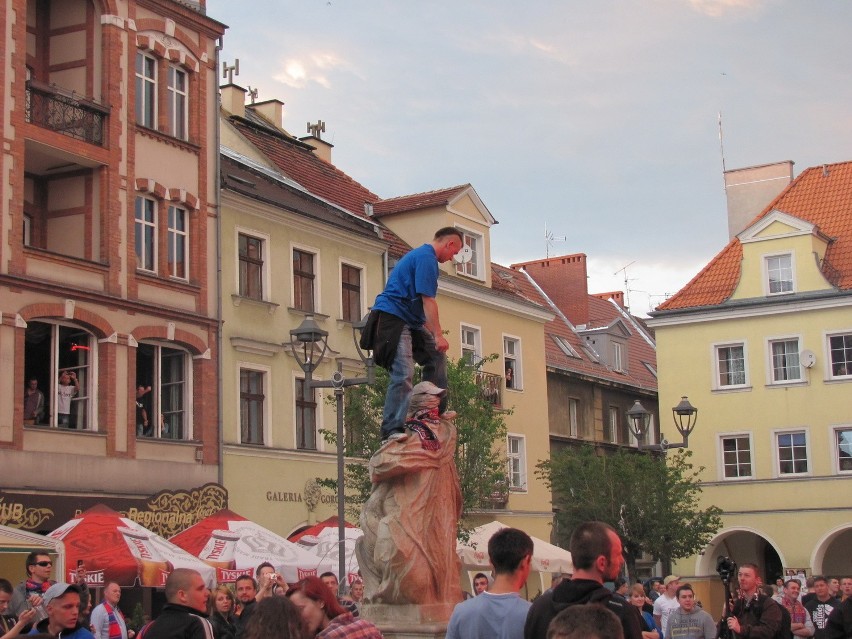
(480, 575)
(449, 230)
(329, 574)
(243, 578)
(507, 548)
(32, 559)
(265, 564)
(589, 541)
(589, 621)
(683, 588)
(6, 586)
(618, 583)
(274, 618)
(793, 581)
(818, 578)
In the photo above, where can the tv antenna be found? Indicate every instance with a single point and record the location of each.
(252, 93)
(230, 71)
(550, 239)
(623, 269)
(317, 129)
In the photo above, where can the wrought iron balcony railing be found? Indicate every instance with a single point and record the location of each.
(59, 110)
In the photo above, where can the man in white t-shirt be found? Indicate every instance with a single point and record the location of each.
(666, 602)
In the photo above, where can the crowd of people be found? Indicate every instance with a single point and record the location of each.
(578, 606)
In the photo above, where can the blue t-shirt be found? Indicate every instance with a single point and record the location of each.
(414, 275)
(488, 616)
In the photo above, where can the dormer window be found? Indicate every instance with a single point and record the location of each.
(474, 267)
(779, 272)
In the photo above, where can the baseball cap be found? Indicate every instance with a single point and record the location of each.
(428, 388)
(58, 590)
(670, 579)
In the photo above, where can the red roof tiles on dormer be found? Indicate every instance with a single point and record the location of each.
(821, 196)
(416, 201)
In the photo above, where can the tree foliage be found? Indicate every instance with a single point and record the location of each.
(652, 501)
(480, 460)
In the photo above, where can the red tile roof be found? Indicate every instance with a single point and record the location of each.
(415, 201)
(821, 196)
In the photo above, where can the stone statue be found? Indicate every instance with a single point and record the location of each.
(408, 552)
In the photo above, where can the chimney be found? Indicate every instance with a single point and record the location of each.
(616, 296)
(322, 149)
(565, 281)
(272, 110)
(234, 99)
(751, 189)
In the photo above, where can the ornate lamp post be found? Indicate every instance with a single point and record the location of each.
(305, 341)
(685, 416)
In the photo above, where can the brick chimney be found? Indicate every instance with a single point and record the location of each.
(750, 190)
(617, 296)
(272, 110)
(234, 99)
(565, 281)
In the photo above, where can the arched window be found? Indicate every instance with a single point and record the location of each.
(163, 391)
(60, 358)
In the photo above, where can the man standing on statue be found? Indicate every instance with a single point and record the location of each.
(404, 326)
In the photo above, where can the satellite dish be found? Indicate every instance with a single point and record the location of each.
(808, 358)
(463, 256)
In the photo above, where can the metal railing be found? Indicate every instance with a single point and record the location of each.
(59, 110)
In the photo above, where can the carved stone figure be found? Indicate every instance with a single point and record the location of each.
(408, 552)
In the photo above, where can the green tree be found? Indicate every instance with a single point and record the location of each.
(652, 501)
(481, 463)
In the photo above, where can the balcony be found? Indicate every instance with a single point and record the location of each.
(497, 499)
(62, 111)
(491, 386)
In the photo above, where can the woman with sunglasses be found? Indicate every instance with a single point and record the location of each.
(323, 617)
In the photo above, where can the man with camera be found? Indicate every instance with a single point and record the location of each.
(753, 614)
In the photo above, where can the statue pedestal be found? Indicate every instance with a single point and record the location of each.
(409, 621)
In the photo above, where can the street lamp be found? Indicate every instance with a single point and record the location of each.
(685, 415)
(304, 342)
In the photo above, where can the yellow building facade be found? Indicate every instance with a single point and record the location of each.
(761, 342)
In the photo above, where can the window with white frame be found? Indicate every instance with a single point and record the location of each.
(613, 425)
(512, 362)
(843, 443)
(792, 450)
(146, 234)
(167, 370)
(470, 345)
(736, 456)
(59, 361)
(251, 265)
(304, 280)
(178, 102)
(517, 458)
(573, 417)
(178, 242)
(474, 267)
(350, 292)
(617, 356)
(730, 365)
(146, 90)
(779, 273)
(252, 399)
(306, 418)
(840, 352)
(785, 360)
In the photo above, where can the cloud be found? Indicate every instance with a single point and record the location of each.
(719, 8)
(315, 68)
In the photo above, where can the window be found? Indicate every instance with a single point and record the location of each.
(178, 243)
(844, 449)
(840, 347)
(166, 370)
(779, 271)
(516, 453)
(470, 345)
(306, 423)
(146, 90)
(573, 417)
(350, 285)
(730, 361)
(785, 361)
(146, 234)
(792, 453)
(613, 426)
(617, 356)
(251, 406)
(303, 280)
(28, 230)
(565, 347)
(251, 266)
(60, 358)
(178, 97)
(473, 268)
(512, 362)
(736, 457)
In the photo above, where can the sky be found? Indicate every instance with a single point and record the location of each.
(596, 121)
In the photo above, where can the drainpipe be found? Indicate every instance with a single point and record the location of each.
(220, 427)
